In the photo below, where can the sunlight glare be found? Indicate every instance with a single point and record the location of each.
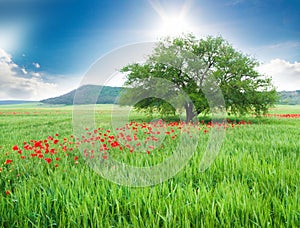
(10, 38)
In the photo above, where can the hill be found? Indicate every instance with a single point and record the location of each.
(289, 97)
(109, 94)
(86, 94)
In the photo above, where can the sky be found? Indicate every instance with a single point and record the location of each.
(47, 46)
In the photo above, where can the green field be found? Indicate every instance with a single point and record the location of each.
(253, 182)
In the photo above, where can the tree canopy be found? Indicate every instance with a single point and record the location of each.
(198, 67)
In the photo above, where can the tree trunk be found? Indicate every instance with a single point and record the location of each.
(189, 112)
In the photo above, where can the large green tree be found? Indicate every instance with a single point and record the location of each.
(198, 66)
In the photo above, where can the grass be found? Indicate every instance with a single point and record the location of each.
(252, 183)
(283, 109)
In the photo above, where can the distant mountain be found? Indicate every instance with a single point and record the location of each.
(12, 102)
(289, 97)
(87, 94)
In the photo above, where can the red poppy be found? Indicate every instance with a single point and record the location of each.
(8, 161)
(48, 160)
(38, 144)
(27, 147)
(15, 147)
(114, 144)
(128, 138)
(50, 138)
(111, 137)
(151, 147)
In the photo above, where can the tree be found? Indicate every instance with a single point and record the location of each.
(199, 67)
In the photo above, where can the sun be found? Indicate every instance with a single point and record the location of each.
(175, 23)
(173, 26)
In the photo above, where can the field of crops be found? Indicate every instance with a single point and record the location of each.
(45, 180)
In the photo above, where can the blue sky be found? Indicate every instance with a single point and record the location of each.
(46, 46)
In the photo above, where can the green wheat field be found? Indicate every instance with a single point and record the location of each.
(45, 181)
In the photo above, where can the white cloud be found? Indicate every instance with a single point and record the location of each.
(36, 74)
(14, 84)
(235, 2)
(287, 44)
(288, 50)
(24, 71)
(36, 65)
(286, 75)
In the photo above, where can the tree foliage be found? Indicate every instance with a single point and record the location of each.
(198, 66)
